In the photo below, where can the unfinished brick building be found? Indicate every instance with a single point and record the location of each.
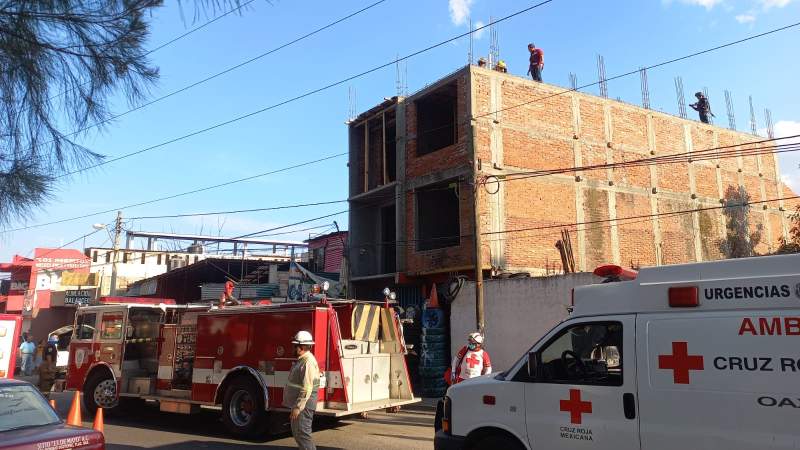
(413, 161)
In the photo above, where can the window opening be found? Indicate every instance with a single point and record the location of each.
(436, 120)
(111, 326)
(438, 221)
(588, 353)
(84, 329)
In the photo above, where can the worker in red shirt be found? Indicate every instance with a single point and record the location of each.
(471, 361)
(537, 62)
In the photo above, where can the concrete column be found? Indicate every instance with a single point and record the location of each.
(779, 190)
(401, 187)
(651, 145)
(762, 185)
(496, 201)
(689, 147)
(578, 157)
(611, 190)
(720, 188)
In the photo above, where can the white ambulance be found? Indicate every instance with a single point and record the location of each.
(688, 357)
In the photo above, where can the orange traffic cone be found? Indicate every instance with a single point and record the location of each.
(74, 416)
(433, 302)
(53, 403)
(98, 420)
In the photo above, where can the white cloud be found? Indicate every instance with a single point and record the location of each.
(478, 34)
(708, 4)
(746, 18)
(768, 4)
(460, 11)
(789, 161)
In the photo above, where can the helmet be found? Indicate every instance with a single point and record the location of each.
(303, 338)
(501, 63)
(476, 338)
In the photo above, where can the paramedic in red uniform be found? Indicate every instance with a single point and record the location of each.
(300, 392)
(471, 361)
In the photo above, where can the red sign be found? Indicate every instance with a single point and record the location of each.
(575, 406)
(680, 362)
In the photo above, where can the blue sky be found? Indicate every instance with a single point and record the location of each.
(628, 33)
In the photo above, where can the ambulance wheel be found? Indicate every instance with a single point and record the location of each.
(243, 408)
(100, 391)
(496, 441)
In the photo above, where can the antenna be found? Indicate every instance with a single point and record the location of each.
(573, 81)
(601, 74)
(494, 45)
(753, 127)
(770, 127)
(710, 116)
(645, 88)
(681, 97)
(729, 106)
(351, 103)
(471, 42)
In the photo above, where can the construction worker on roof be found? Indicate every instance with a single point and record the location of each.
(471, 361)
(702, 106)
(501, 66)
(537, 62)
(301, 390)
(482, 62)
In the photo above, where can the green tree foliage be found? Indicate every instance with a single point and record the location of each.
(60, 62)
(739, 242)
(792, 243)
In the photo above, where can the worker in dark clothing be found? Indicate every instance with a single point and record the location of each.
(702, 106)
(537, 62)
(482, 62)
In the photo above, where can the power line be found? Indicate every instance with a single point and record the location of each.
(218, 74)
(301, 96)
(258, 233)
(238, 211)
(169, 197)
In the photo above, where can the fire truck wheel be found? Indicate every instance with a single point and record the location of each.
(100, 391)
(243, 408)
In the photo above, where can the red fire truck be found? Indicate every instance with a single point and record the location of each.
(186, 357)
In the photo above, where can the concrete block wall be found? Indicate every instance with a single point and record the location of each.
(518, 312)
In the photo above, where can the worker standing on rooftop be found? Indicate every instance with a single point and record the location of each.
(702, 106)
(537, 62)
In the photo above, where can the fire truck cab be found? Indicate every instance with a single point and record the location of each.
(238, 358)
(693, 356)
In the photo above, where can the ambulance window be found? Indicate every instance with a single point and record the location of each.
(111, 327)
(85, 326)
(589, 353)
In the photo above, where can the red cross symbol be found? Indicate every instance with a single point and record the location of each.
(575, 406)
(473, 361)
(680, 362)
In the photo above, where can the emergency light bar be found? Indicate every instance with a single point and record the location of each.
(613, 272)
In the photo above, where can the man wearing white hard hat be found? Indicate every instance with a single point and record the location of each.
(471, 361)
(300, 392)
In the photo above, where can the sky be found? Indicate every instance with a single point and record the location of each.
(628, 33)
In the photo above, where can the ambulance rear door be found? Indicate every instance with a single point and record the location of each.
(583, 386)
(719, 379)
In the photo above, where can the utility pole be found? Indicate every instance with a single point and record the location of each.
(117, 233)
(478, 266)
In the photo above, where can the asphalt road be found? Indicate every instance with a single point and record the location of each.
(147, 428)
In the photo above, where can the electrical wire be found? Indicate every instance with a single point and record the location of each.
(300, 96)
(238, 211)
(220, 73)
(182, 194)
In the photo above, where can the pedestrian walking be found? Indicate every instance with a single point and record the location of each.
(471, 361)
(537, 62)
(47, 370)
(702, 106)
(301, 390)
(27, 349)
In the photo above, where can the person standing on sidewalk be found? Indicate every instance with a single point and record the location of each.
(537, 62)
(300, 393)
(27, 349)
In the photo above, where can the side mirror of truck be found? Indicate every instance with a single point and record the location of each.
(533, 364)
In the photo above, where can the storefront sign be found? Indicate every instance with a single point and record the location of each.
(78, 297)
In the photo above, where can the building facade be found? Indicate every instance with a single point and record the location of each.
(414, 162)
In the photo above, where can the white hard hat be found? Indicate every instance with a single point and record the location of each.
(476, 338)
(303, 338)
